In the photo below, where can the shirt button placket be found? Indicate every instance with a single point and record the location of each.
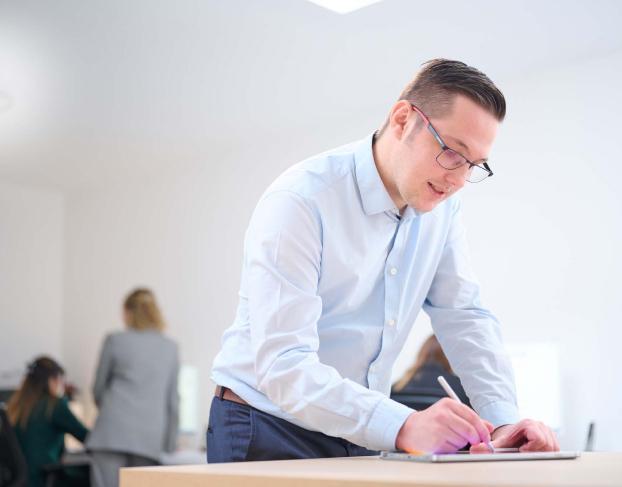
(392, 292)
(391, 304)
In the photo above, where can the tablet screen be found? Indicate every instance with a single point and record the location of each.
(478, 457)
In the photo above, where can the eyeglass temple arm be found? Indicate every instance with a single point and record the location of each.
(430, 127)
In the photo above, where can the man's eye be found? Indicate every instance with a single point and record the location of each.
(453, 155)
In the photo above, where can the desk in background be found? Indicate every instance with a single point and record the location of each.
(590, 470)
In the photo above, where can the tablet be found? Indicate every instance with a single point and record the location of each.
(477, 457)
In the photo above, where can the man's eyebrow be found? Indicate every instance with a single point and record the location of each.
(460, 143)
(466, 148)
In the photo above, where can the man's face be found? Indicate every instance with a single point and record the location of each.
(420, 181)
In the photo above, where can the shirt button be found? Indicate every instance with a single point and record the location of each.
(391, 322)
(393, 271)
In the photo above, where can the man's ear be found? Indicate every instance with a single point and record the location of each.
(398, 118)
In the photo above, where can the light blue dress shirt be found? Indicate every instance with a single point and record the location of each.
(332, 282)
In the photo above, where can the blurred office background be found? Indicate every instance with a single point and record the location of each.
(136, 137)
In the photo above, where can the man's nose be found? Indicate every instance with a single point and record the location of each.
(456, 177)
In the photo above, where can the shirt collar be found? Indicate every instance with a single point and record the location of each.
(374, 195)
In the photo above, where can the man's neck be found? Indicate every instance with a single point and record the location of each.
(382, 157)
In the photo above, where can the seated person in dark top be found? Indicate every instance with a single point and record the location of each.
(40, 415)
(421, 378)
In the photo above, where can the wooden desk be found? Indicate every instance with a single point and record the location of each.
(591, 470)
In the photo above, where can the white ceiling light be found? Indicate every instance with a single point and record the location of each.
(343, 6)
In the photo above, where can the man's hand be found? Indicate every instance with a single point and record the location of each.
(446, 426)
(526, 435)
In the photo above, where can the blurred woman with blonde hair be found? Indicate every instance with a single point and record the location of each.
(136, 392)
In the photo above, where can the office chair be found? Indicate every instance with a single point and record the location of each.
(13, 469)
(589, 441)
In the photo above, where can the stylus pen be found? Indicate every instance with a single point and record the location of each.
(450, 392)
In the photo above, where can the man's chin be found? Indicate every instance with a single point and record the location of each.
(423, 207)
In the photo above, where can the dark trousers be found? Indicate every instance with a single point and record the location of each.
(238, 433)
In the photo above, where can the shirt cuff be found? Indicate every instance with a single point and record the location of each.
(385, 423)
(500, 413)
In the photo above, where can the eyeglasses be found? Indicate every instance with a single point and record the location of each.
(451, 160)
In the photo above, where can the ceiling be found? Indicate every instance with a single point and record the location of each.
(103, 88)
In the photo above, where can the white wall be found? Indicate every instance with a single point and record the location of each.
(549, 257)
(544, 232)
(31, 267)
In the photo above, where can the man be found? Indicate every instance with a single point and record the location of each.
(341, 253)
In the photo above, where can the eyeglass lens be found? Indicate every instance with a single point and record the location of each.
(450, 159)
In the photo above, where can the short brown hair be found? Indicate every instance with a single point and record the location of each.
(142, 310)
(433, 88)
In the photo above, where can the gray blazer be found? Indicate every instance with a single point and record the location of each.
(136, 393)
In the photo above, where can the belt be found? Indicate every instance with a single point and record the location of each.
(228, 395)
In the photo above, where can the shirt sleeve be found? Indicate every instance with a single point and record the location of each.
(172, 424)
(283, 252)
(66, 422)
(104, 370)
(470, 334)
